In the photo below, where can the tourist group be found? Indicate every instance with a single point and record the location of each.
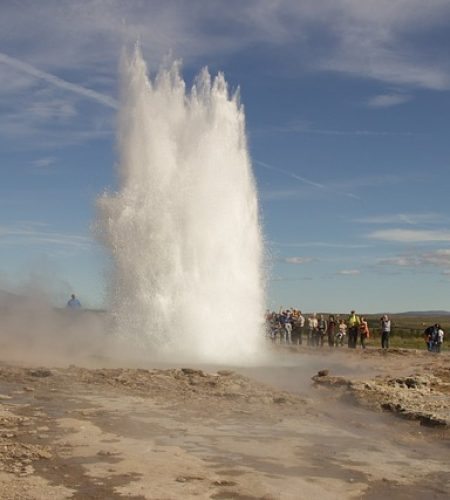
(290, 326)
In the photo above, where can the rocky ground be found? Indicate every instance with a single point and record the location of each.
(269, 432)
(423, 394)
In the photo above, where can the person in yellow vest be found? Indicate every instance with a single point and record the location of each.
(353, 323)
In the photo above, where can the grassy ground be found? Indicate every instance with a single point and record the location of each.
(407, 342)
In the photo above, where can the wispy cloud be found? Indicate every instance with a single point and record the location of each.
(43, 163)
(304, 127)
(372, 39)
(304, 180)
(58, 82)
(412, 219)
(23, 130)
(438, 258)
(31, 235)
(375, 39)
(320, 244)
(300, 178)
(410, 235)
(301, 193)
(45, 111)
(375, 180)
(283, 278)
(401, 261)
(344, 187)
(51, 109)
(388, 100)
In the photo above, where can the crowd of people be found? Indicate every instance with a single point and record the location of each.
(290, 326)
(434, 337)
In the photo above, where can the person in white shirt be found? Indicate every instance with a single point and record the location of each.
(313, 324)
(341, 333)
(300, 327)
(385, 331)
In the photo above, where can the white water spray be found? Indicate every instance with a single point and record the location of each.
(183, 228)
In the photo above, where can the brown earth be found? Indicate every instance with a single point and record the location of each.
(246, 433)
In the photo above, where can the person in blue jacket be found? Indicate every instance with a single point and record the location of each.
(73, 303)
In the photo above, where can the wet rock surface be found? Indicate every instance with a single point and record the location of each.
(190, 433)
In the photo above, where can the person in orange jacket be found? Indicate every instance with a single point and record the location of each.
(364, 332)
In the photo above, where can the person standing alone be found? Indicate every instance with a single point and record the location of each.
(73, 303)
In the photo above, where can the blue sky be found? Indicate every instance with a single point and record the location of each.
(347, 107)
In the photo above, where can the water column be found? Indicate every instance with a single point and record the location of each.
(183, 227)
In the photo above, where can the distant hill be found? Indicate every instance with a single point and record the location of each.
(423, 313)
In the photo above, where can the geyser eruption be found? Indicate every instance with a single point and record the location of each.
(183, 227)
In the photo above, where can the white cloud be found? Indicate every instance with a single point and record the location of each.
(388, 100)
(349, 272)
(410, 235)
(370, 38)
(42, 163)
(72, 48)
(298, 260)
